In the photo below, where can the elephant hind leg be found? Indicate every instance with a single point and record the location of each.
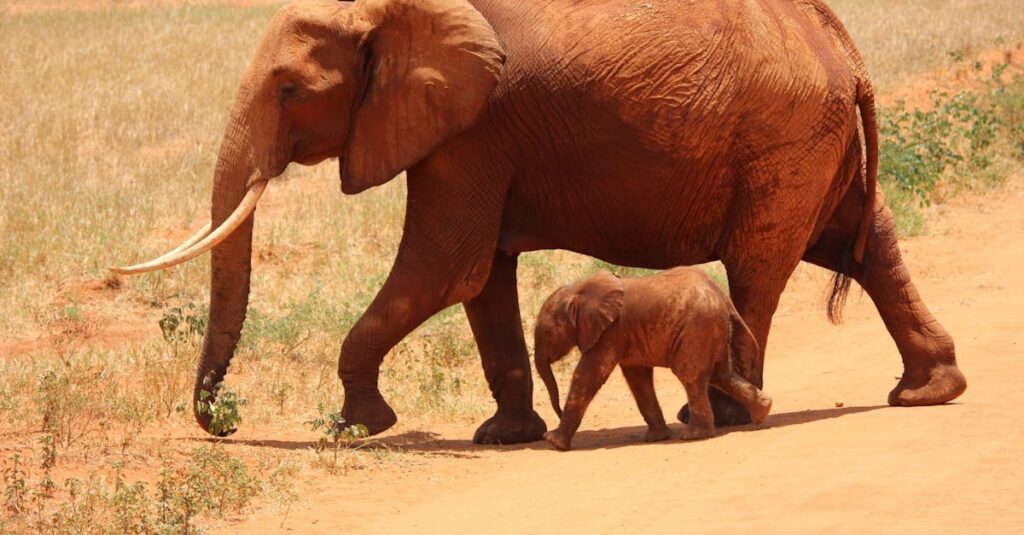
(757, 278)
(930, 372)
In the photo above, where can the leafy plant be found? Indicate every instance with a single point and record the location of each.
(332, 424)
(15, 487)
(336, 434)
(72, 402)
(953, 142)
(47, 461)
(184, 323)
(208, 481)
(222, 406)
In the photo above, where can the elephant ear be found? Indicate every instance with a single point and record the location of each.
(432, 64)
(597, 304)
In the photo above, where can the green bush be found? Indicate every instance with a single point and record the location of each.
(222, 406)
(954, 143)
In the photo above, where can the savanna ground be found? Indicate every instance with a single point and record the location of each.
(112, 114)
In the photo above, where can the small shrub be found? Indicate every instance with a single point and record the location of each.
(15, 487)
(67, 328)
(183, 324)
(222, 406)
(73, 402)
(47, 461)
(953, 144)
(207, 482)
(281, 486)
(336, 434)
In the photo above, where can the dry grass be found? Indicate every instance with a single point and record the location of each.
(902, 38)
(108, 135)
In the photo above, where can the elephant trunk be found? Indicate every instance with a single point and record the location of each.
(548, 376)
(230, 266)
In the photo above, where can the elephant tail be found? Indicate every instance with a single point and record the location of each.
(841, 279)
(869, 121)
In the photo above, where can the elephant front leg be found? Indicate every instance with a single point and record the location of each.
(394, 313)
(445, 258)
(498, 329)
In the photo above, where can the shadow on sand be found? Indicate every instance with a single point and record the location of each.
(430, 443)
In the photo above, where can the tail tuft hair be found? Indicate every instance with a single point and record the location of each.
(840, 289)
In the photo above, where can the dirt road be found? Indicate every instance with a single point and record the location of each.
(862, 467)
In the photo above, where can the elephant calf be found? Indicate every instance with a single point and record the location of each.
(679, 319)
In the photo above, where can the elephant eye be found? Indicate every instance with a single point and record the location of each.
(288, 90)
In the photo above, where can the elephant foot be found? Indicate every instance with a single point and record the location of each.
(511, 428)
(559, 440)
(370, 410)
(692, 432)
(657, 434)
(727, 411)
(932, 385)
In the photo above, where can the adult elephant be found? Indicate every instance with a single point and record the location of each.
(647, 134)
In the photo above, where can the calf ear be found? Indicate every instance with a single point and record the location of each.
(597, 304)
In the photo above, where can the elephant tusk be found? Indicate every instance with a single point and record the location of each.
(194, 239)
(188, 251)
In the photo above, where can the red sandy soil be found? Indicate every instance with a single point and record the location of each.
(814, 465)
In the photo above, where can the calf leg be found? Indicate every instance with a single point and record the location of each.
(641, 383)
(702, 419)
(591, 373)
(756, 295)
(757, 404)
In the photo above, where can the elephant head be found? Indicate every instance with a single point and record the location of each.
(575, 315)
(379, 84)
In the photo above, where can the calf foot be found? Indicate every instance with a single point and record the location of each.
(761, 408)
(657, 434)
(506, 427)
(559, 440)
(727, 410)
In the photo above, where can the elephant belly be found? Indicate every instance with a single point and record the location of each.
(624, 211)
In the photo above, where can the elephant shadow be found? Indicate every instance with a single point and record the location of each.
(431, 443)
(424, 442)
(608, 438)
